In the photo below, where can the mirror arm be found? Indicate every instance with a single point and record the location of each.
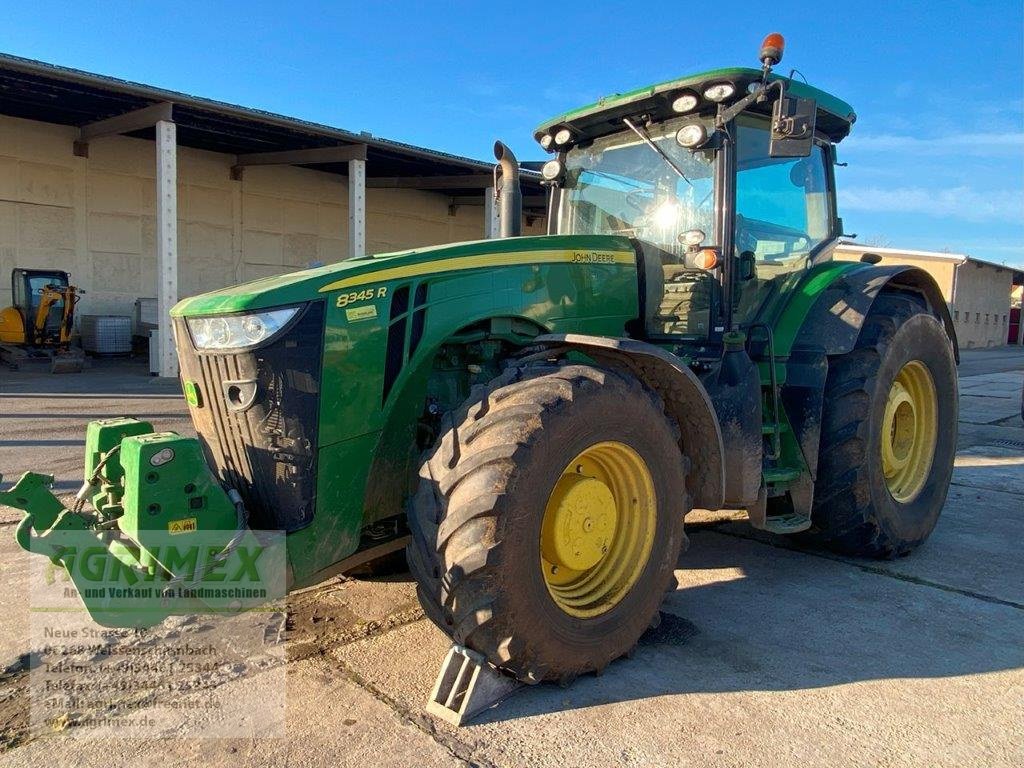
(724, 116)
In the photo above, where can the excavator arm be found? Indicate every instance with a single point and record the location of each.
(51, 294)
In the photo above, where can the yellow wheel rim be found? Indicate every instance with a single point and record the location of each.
(598, 529)
(909, 431)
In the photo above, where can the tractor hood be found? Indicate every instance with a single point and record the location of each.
(307, 284)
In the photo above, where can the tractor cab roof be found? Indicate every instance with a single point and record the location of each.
(835, 117)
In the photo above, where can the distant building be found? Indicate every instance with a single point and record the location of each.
(142, 193)
(978, 292)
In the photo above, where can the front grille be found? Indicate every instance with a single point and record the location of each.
(257, 418)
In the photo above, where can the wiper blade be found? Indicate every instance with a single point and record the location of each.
(645, 137)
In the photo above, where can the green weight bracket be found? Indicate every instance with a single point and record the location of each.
(44, 517)
(51, 530)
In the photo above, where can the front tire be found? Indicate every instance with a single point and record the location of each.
(888, 435)
(549, 519)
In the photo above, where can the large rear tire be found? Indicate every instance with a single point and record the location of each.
(888, 435)
(549, 519)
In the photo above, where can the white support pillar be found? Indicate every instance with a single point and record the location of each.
(166, 241)
(356, 208)
(492, 223)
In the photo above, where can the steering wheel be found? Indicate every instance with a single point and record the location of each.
(639, 199)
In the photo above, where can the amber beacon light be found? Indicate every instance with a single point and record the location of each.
(771, 49)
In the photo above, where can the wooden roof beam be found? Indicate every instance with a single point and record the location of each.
(136, 120)
(459, 181)
(315, 156)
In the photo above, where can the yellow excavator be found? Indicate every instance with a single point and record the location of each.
(37, 328)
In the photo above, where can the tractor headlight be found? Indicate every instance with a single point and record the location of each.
(692, 136)
(563, 137)
(684, 102)
(719, 91)
(551, 170)
(236, 331)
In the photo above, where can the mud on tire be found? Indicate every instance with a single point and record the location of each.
(854, 512)
(476, 517)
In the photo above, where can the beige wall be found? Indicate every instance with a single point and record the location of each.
(981, 309)
(978, 294)
(942, 271)
(96, 218)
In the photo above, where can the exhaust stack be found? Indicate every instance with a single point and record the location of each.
(510, 196)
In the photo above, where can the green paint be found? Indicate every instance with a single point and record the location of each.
(171, 513)
(301, 285)
(102, 438)
(362, 434)
(192, 394)
(797, 303)
(167, 481)
(334, 532)
(556, 284)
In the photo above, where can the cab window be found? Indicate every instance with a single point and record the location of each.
(783, 213)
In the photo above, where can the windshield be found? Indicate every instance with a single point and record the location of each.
(620, 186)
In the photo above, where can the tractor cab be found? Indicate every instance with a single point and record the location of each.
(724, 180)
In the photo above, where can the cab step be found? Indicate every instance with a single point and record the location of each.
(778, 475)
(769, 428)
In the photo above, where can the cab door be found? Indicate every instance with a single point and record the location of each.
(785, 213)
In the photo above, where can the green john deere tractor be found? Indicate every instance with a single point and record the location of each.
(533, 417)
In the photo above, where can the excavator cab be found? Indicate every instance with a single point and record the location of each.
(40, 297)
(37, 326)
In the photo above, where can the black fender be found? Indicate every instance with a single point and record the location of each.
(831, 328)
(835, 319)
(686, 401)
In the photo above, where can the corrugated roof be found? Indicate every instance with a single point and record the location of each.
(959, 258)
(38, 90)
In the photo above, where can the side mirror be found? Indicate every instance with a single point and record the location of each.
(792, 127)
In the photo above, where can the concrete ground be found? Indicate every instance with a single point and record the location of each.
(767, 654)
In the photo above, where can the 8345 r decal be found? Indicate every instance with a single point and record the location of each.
(344, 299)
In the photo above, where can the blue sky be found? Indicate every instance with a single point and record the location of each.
(936, 159)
